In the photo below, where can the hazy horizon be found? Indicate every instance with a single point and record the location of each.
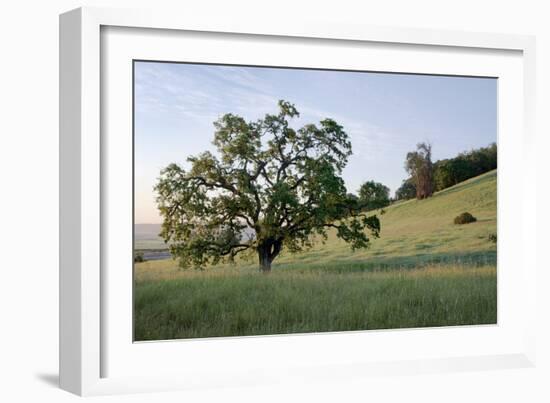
(385, 115)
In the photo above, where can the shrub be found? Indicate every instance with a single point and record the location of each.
(465, 218)
(493, 238)
(138, 257)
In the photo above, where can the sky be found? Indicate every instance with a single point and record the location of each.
(385, 115)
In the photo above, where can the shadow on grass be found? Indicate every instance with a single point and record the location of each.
(412, 261)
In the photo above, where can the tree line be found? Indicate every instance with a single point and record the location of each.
(427, 177)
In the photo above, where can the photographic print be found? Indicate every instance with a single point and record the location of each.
(271, 200)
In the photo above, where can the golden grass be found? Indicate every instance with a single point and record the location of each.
(423, 271)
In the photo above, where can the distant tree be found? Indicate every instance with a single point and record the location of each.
(450, 172)
(481, 160)
(374, 195)
(406, 191)
(139, 258)
(442, 175)
(270, 187)
(419, 165)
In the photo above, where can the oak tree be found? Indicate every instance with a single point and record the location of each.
(269, 188)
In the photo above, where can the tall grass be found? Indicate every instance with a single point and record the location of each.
(236, 304)
(423, 271)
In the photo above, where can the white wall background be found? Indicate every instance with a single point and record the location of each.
(29, 201)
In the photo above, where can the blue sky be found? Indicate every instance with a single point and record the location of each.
(385, 115)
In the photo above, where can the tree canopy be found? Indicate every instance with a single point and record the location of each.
(270, 187)
(406, 191)
(374, 195)
(466, 165)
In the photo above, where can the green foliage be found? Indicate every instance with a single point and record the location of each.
(406, 191)
(138, 257)
(464, 218)
(374, 195)
(450, 172)
(270, 188)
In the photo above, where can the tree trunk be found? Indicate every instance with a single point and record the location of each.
(264, 258)
(267, 252)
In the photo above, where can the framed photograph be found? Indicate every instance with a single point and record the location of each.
(246, 203)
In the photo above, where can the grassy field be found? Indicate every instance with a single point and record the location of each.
(423, 271)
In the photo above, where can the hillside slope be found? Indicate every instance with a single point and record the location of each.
(423, 271)
(422, 231)
(414, 233)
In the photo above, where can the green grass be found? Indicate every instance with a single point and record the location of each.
(233, 304)
(423, 271)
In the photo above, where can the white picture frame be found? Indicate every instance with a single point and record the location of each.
(86, 345)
